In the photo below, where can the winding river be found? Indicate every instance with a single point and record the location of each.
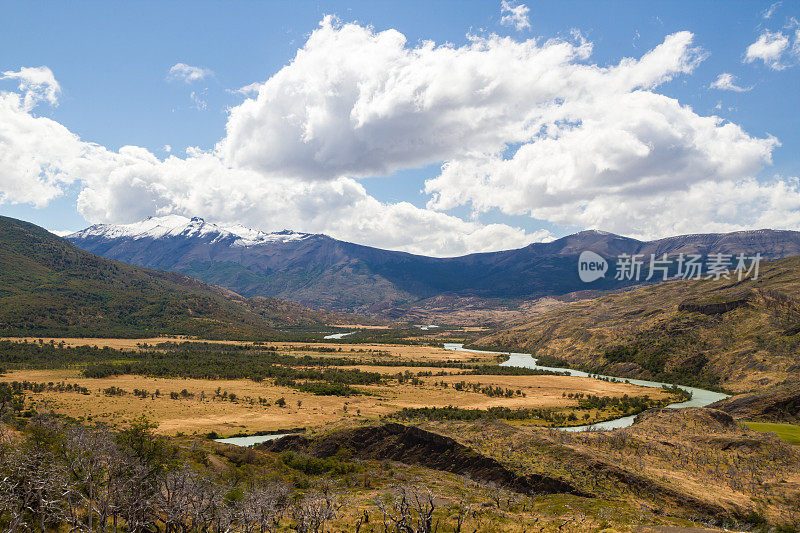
(700, 397)
(252, 439)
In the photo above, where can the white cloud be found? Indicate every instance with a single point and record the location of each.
(727, 82)
(41, 158)
(37, 84)
(62, 232)
(769, 48)
(167, 148)
(525, 127)
(200, 184)
(515, 15)
(198, 99)
(248, 90)
(361, 103)
(623, 165)
(187, 73)
(767, 14)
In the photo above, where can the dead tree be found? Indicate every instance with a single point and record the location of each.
(411, 511)
(313, 511)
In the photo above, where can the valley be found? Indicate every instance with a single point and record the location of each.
(380, 405)
(378, 381)
(400, 267)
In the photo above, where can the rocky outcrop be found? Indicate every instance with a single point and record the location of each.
(415, 446)
(712, 308)
(778, 404)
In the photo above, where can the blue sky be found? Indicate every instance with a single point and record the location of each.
(111, 61)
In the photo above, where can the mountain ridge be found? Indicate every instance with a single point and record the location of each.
(319, 271)
(50, 286)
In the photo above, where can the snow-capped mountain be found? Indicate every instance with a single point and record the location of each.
(189, 228)
(321, 272)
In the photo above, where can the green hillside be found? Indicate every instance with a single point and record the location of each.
(50, 287)
(733, 335)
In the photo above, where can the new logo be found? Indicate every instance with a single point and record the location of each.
(591, 266)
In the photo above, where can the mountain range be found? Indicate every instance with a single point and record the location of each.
(49, 287)
(318, 271)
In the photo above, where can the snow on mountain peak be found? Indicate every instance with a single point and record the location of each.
(181, 226)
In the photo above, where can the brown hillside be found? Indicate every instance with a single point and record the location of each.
(736, 335)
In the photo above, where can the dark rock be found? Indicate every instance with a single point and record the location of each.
(415, 446)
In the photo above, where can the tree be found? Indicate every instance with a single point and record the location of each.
(32, 486)
(315, 510)
(410, 511)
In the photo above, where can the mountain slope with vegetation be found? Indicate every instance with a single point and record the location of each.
(736, 335)
(50, 287)
(322, 272)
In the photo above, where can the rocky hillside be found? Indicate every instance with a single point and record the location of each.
(699, 464)
(775, 404)
(740, 336)
(321, 272)
(414, 446)
(50, 287)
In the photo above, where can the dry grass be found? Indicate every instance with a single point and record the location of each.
(225, 417)
(361, 351)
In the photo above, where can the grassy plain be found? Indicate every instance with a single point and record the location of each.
(788, 432)
(191, 414)
(200, 406)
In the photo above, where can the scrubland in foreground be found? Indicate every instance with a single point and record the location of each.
(446, 477)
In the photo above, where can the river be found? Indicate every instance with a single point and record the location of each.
(252, 439)
(700, 397)
(337, 336)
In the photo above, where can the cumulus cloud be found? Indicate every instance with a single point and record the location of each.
(727, 82)
(769, 48)
(40, 158)
(625, 165)
(515, 15)
(611, 154)
(187, 73)
(362, 103)
(527, 127)
(37, 84)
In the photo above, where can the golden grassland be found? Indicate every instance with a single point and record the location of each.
(248, 414)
